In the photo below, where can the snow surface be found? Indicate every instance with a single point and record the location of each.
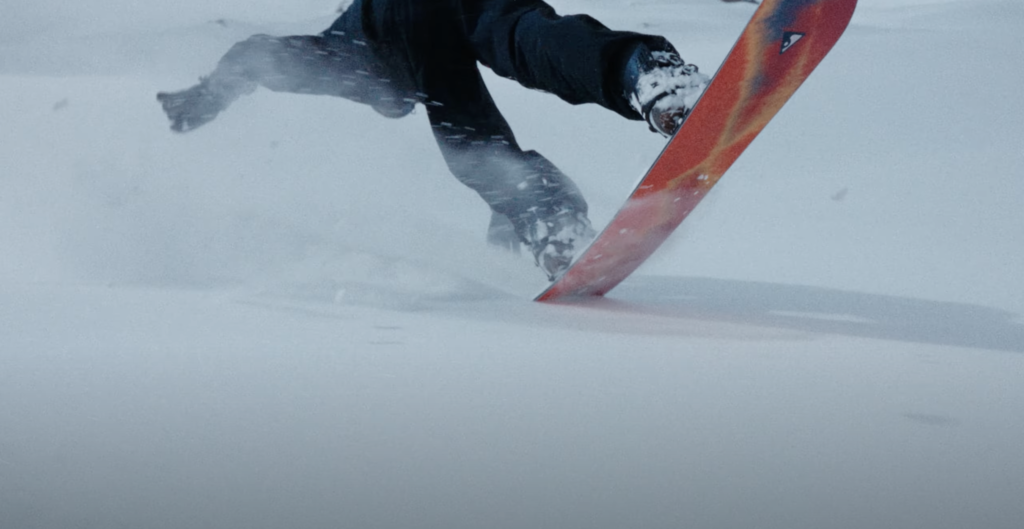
(288, 318)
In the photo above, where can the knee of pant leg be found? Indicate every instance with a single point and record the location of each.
(258, 42)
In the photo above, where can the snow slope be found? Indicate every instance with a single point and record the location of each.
(288, 318)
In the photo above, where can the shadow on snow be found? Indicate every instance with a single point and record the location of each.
(818, 310)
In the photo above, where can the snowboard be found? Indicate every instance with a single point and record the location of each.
(780, 46)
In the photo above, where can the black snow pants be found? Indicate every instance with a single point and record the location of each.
(393, 54)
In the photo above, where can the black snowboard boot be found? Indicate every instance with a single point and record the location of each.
(662, 87)
(553, 241)
(556, 238)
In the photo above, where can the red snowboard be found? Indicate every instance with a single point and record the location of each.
(778, 49)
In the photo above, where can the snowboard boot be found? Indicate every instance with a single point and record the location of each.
(662, 87)
(554, 240)
(196, 106)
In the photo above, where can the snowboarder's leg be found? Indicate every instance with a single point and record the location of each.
(542, 205)
(335, 63)
(425, 44)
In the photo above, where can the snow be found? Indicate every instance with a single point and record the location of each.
(288, 318)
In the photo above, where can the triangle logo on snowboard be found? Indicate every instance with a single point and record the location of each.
(790, 38)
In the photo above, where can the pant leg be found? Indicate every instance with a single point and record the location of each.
(425, 43)
(574, 57)
(482, 152)
(338, 62)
